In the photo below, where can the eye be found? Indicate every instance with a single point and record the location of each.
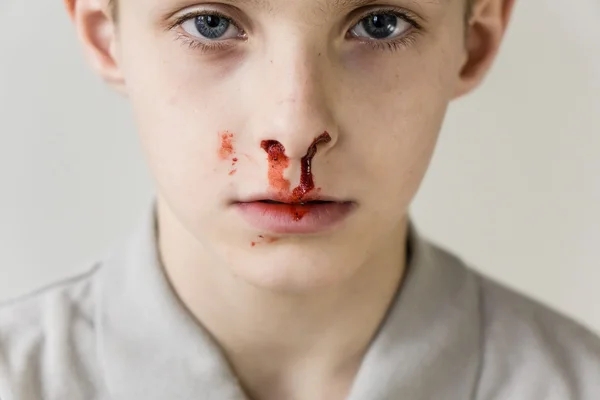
(381, 25)
(211, 27)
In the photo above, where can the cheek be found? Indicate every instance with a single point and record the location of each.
(394, 114)
(176, 145)
(179, 115)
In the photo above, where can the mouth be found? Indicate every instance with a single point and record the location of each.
(299, 204)
(281, 216)
(277, 198)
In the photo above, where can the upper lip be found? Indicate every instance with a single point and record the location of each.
(277, 198)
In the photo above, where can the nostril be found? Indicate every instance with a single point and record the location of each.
(279, 161)
(275, 150)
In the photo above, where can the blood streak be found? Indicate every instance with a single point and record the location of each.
(298, 212)
(227, 150)
(264, 239)
(278, 162)
(307, 182)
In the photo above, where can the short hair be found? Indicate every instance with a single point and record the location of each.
(469, 13)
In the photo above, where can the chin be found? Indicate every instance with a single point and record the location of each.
(290, 269)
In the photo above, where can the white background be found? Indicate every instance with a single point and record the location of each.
(514, 187)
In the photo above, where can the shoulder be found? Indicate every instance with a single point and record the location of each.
(44, 335)
(527, 350)
(532, 351)
(44, 310)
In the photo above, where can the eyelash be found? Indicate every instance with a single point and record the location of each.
(382, 45)
(395, 44)
(195, 44)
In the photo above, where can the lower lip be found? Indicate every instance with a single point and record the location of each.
(295, 218)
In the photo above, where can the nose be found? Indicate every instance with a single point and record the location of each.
(293, 102)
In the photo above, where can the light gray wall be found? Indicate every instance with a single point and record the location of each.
(514, 186)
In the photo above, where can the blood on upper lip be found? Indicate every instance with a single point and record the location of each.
(278, 162)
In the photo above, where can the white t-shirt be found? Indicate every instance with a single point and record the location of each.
(119, 332)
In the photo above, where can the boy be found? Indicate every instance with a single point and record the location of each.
(287, 139)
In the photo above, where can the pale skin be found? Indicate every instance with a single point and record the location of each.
(293, 314)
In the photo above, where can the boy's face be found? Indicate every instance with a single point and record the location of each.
(229, 96)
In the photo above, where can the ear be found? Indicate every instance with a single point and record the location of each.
(485, 31)
(97, 32)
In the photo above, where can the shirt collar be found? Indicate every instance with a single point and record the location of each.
(429, 345)
(151, 348)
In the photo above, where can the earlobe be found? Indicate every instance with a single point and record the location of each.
(485, 31)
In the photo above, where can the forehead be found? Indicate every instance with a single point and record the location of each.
(322, 5)
(329, 4)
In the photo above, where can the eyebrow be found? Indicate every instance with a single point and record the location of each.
(344, 4)
(330, 5)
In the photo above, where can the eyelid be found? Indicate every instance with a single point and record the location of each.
(181, 19)
(231, 14)
(203, 47)
(393, 44)
(402, 13)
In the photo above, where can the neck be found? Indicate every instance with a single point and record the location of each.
(276, 342)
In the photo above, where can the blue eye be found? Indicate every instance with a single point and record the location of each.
(211, 27)
(380, 26)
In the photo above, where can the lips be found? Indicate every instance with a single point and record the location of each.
(300, 204)
(283, 198)
(312, 215)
